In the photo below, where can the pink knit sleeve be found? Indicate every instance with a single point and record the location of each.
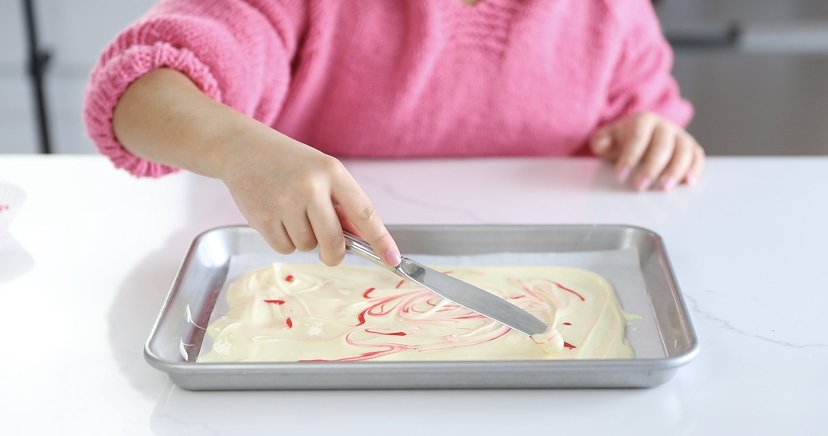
(642, 80)
(237, 52)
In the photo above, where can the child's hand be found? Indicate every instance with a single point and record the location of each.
(654, 150)
(294, 195)
(297, 196)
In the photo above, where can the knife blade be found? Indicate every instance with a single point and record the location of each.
(455, 290)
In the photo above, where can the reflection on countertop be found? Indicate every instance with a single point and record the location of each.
(16, 261)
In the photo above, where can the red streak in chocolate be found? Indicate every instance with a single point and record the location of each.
(568, 345)
(383, 306)
(385, 333)
(289, 278)
(368, 292)
(361, 316)
(400, 283)
(364, 356)
(4, 207)
(564, 288)
(276, 302)
(471, 316)
(289, 323)
(567, 323)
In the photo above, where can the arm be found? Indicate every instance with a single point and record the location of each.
(642, 128)
(184, 88)
(234, 52)
(293, 194)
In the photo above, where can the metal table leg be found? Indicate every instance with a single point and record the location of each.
(38, 60)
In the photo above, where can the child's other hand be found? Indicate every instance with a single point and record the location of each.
(655, 151)
(298, 197)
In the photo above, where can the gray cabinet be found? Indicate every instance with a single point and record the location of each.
(767, 92)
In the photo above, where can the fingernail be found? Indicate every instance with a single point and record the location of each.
(643, 184)
(691, 179)
(622, 173)
(668, 183)
(392, 256)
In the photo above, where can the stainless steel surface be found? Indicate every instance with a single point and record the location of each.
(176, 338)
(471, 297)
(361, 248)
(457, 291)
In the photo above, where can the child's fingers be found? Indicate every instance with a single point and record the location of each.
(679, 164)
(300, 231)
(656, 158)
(276, 236)
(328, 231)
(346, 224)
(359, 210)
(634, 145)
(697, 166)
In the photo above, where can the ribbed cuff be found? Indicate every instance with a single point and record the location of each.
(109, 82)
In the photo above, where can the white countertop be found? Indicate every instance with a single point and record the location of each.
(87, 262)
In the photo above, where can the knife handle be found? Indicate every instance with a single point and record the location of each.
(358, 246)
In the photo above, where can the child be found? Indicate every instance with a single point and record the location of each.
(262, 94)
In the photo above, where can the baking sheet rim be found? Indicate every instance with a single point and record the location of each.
(662, 364)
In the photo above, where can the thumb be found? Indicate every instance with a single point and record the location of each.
(602, 141)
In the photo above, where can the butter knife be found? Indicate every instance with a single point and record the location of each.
(459, 292)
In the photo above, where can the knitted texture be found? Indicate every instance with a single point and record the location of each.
(402, 78)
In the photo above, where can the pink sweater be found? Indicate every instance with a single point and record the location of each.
(402, 78)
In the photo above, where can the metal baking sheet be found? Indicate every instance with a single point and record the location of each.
(663, 342)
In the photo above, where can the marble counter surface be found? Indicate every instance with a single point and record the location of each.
(89, 258)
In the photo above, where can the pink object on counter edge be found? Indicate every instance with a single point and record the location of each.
(11, 200)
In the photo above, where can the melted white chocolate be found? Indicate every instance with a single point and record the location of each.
(293, 312)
